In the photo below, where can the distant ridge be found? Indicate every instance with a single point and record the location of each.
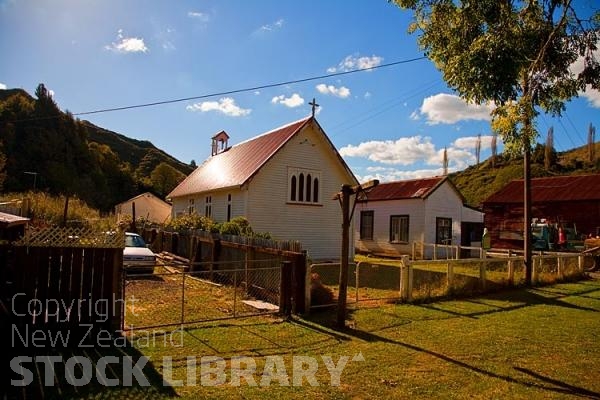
(76, 157)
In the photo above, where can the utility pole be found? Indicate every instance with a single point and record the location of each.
(344, 198)
(35, 174)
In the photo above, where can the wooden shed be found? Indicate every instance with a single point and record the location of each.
(569, 200)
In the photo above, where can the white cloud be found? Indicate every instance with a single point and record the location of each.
(353, 62)
(225, 105)
(368, 95)
(2, 86)
(415, 116)
(409, 151)
(404, 151)
(293, 101)
(271, 27)
(341, 92)
(592, 95)
(393, 174)
(450, 109)
(470, 142)
(127, 44)
(199, 16)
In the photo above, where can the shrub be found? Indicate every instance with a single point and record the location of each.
(190, 221)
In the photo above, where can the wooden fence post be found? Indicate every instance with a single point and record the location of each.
(307, 285)
(405, 278)
(511, 272)
(560, 267)
(414, 250)
(285, 291)
(534, 270)
(580, 263)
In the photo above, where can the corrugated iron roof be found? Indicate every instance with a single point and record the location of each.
(559, 188)
(409, 189)
(8, 220)
(234, 166)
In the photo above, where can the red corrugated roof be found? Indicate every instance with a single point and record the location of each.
(410, 189)
(239, 163)
(560, 188)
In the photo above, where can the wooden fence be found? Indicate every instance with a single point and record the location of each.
(65, 281)
(205, 251)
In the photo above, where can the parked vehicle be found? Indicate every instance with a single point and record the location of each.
(137, 257)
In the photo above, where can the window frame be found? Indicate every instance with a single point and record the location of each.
(363, 228)
(303, 186)
(438, 230)
(403, 232)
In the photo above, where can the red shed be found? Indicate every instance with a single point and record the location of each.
(569, 200)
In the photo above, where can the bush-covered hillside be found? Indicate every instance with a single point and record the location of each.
(74, 157)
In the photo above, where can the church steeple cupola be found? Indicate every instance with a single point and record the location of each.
(219, 143)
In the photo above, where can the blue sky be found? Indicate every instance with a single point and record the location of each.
(389, 123)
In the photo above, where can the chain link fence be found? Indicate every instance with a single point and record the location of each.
(174, 295)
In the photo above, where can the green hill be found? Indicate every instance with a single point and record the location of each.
(76, 157)
(478, 182)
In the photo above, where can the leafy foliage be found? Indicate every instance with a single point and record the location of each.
(75, 157)
(518, 55)
(191, 221)
(165, 178)
(238, 226)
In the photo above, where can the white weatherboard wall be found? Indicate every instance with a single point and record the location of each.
(444, 202)
(382, 211)
(316, 226)
(219, 201)
(147, 206)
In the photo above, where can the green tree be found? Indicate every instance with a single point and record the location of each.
(164, 178)
(517, 54)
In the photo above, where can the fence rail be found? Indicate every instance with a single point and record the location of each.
(423, 280)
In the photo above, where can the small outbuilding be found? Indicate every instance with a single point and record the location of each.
(147, 206)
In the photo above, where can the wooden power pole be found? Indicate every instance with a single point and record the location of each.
(344, 198)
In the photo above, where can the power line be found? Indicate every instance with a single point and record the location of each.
(267, 86)
(382, 108)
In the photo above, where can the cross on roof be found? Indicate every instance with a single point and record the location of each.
(314, 105)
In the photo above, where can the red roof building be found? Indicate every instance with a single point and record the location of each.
(573, 201)
(394, 215)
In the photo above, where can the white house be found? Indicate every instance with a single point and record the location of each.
(282, 181)
(147, 206)
(394, 215)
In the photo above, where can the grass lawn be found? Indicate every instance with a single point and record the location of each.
(515, 344)
(535, 343)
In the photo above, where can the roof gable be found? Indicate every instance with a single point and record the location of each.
(145, 195)
(409, 189)
(559, 188)
(239, 163)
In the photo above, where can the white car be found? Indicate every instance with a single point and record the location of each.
(136, 254)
